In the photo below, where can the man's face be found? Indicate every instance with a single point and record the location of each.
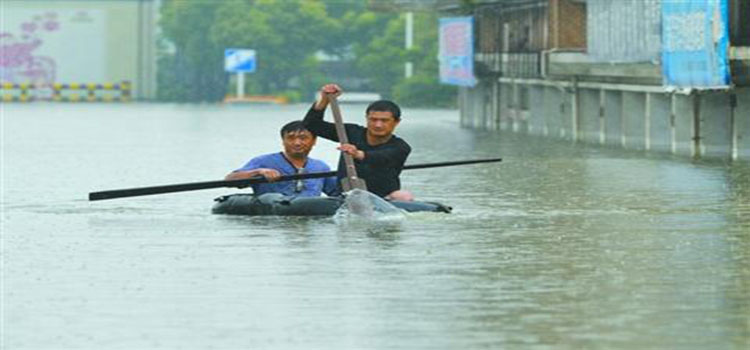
(298, 144)
(380, 123)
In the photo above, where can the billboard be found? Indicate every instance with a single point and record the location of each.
(456, 52)
(695, 43)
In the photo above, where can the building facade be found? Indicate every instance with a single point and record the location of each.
(646, 75)
(64, 48)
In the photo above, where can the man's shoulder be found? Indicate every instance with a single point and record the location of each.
(354, 127)
(317, 164)
(399, 142)
(267, 157)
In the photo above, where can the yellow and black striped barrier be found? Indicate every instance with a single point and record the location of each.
(59, 92)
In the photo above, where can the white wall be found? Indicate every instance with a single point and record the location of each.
(79, 41)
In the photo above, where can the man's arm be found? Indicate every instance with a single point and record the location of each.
(270, 174)
(254, 167)
(327, 90)
(315, 123)
(314, 117)
(388, 157)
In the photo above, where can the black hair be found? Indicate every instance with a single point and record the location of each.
(385, 106)
(294, 126)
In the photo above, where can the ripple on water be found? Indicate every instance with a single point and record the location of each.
(558, 246)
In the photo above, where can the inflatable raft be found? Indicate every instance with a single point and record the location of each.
(278, 204)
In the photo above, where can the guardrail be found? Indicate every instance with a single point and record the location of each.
(512, 64)
(59, 92)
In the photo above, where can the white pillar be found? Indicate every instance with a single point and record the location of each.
(409, 69)
(733, 126)
(647, 123)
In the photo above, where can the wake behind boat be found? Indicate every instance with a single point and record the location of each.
(280, 205)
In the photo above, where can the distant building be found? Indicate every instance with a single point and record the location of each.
(659, 76)
(69, 43)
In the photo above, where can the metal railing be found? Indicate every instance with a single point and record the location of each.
(510, 37)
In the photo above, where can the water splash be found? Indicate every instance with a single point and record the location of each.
(363, 205)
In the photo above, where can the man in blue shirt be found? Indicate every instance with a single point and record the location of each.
(297, 142)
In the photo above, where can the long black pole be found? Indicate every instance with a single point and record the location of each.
(143, 191)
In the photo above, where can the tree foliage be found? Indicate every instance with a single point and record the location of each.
(190, 74)
(424, 88)
(285, 35)
(289, 37)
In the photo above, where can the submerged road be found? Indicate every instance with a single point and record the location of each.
(559, 246)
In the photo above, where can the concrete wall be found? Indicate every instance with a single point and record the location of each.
(537, 123)
(554, 112)
(590, 124)
(633, 120)
(94, 41)
(715, 125)
(660, 123)
(683, 125)
(612, 118)
(506, 110)
(696, 124)
(742, 124)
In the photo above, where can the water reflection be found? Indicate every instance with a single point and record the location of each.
(386, 233)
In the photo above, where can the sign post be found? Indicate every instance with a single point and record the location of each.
(240, 84)
(239, 61)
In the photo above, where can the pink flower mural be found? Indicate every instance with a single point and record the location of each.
(18, 64)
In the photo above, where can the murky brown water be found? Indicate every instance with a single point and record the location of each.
(560, 246)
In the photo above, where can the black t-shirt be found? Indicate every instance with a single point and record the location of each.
(382, 164)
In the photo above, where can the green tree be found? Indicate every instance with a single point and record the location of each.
(383, 60)
(358, 27)
(285, 34)
(190, 72)
(424, 89)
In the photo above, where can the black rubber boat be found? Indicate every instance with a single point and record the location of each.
(278, 204)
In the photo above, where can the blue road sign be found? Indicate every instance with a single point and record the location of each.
(239, 60)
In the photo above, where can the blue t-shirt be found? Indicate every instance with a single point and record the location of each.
(300, 188)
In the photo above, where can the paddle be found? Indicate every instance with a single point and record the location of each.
(351, 181)
(143, 191)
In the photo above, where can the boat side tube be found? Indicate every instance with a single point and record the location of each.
(278, 204)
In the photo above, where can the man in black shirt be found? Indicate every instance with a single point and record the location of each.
(378, 155)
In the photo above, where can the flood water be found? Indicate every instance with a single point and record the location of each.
(560, 246)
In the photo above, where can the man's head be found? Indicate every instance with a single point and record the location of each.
(382, 118)
(297, 140)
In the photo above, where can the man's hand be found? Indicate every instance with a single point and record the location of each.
(325, 91)
(270, 174)
(352, 150)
